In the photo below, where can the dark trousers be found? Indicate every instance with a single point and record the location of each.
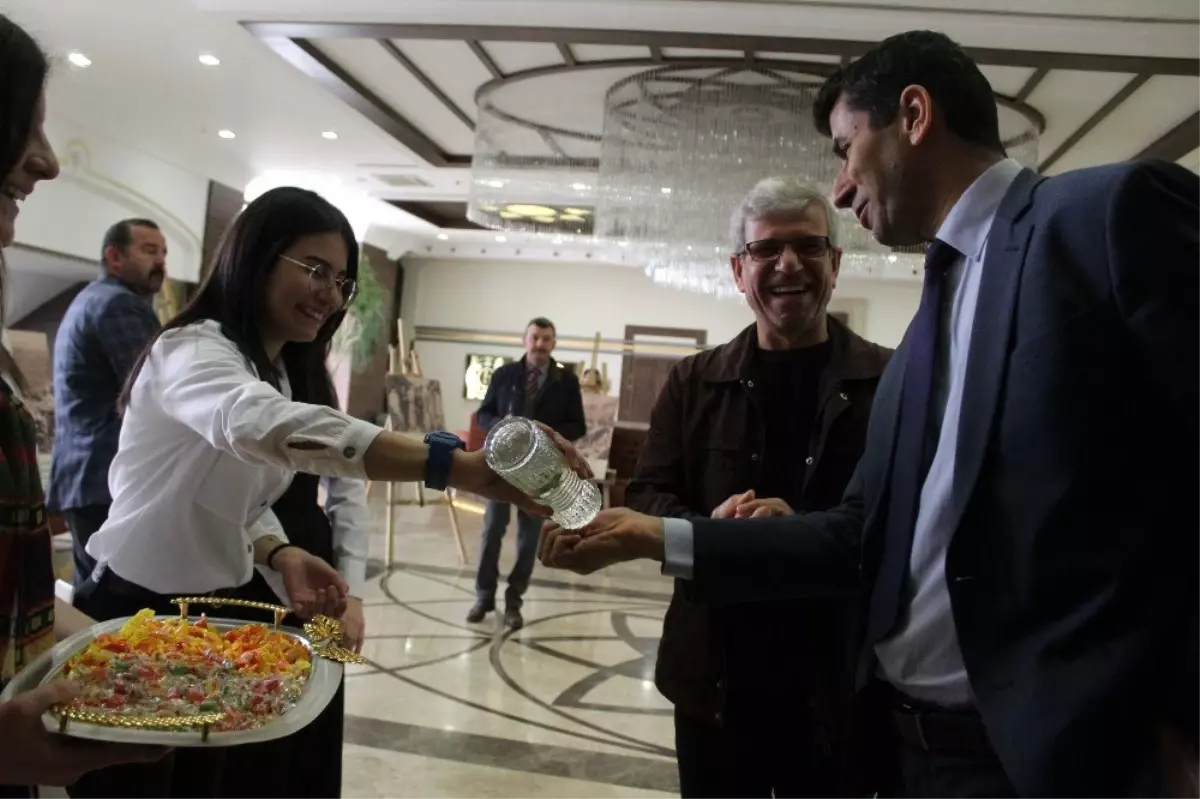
(751, 756)
(952, 774)
(307, 763)
(948, 754)
(82, 523)
(529, 530)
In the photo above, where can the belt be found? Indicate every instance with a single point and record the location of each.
(935, 729)
(116, 584)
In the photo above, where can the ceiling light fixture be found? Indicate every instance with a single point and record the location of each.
(442, 237)
(501, 239)
(79, 59)
(226, 134)
(329, 134)
(209, 60)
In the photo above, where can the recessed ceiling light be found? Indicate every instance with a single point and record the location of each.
(209, 60)
(329, 134)
(494, 183)
(501, 239)
(665, 189)
(79, 59)
(226, 134)
(442, 237)
(580, 186)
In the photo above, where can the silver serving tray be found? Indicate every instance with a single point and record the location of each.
(322, 685)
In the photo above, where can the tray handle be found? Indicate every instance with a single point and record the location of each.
(279, 610)
(325, 634)
(67, 713)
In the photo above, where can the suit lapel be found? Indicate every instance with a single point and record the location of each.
(886, 413)
(991, 332)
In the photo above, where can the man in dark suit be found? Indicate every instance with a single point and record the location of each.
(103, 332)
(1022, 528)
(540, 388)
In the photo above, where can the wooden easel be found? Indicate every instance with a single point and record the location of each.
(409, 366)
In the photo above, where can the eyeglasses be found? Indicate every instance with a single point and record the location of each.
(321, 277)
(767, 250)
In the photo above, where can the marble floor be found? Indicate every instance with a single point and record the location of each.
(564, 707)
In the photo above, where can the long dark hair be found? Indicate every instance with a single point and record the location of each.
(23, 67)
(234, 293)
(23, 70)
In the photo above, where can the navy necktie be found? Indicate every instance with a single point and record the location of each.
(915, 445)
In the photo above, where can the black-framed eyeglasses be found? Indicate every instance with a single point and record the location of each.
(767, 250)
(321, 277)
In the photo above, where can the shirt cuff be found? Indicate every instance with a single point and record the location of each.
(353, 444)
(267, 524)
(354, 572)
(679, 548)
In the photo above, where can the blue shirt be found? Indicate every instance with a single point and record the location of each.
(101, 336)
(923, 659)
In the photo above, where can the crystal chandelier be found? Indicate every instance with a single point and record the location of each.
(682, 145)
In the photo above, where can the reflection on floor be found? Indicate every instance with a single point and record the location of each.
(564, 707)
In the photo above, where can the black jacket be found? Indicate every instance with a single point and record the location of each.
(558, 402)
(1072, 569)
(706, 442)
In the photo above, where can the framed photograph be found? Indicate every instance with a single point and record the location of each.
(478, 374)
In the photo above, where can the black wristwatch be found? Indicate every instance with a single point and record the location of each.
(441, 454)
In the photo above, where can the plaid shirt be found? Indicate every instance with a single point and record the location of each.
(103, 333)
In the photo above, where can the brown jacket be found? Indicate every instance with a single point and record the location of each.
(706, 442)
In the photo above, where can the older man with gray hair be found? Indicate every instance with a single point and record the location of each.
(771, 423)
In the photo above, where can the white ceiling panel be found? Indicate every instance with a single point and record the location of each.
(608, 52)
(1006, 80)
(1159, 105)
(376, 69)
(451, 66)
(519, 56)
(696, 52)
(1066, 98)
(816, 58)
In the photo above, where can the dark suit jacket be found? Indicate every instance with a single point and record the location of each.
(1073, 566)
(558, 403)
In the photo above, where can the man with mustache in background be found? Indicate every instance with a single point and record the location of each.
(102, 334)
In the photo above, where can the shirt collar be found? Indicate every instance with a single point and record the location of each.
(113, 280)
(967, 225)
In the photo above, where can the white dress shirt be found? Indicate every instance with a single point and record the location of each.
(206, 448)
(923, 659)
(346, 507)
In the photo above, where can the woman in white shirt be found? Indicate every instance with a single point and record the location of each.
(211, 439)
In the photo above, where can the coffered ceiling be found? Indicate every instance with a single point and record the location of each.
(418, 82)
(398, 81)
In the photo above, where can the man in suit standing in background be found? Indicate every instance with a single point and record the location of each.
(1022, 528)
(103, 333)
(539, 388)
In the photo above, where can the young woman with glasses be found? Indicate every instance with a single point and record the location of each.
(226, 406)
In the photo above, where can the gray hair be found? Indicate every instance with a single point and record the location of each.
(776, 197)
